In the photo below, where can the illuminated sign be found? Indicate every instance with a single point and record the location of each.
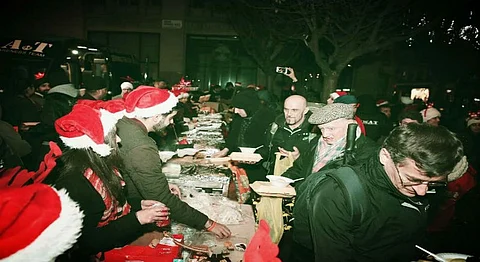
(21, 48)
(420, 93)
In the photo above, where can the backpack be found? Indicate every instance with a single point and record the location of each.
(349, 181)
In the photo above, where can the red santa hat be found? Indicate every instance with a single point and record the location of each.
(86, 127)
(473, 120)
(337, 94)
(38, 223)
(147, 101)
(115, 107)
(430, 113)
(382, 102)
(126, 86)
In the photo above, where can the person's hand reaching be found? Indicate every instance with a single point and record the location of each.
(153, 214)
(221, 231)
(175, 190)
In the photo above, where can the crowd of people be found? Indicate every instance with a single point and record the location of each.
(110, 167)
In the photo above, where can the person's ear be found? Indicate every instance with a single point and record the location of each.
(384, 156)
(156, 118)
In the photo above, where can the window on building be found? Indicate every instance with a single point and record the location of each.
(145, 47)
(212, 60)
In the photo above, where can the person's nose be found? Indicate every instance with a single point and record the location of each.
(421, 189)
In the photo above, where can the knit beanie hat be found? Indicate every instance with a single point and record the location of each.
(148, 101)
(94, 83)
(346, 99)
(330, 113)
(247, 100)
(85, 127)
(406, 100)
(430, 113)
(38, 223)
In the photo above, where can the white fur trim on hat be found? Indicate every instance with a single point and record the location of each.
(158, 109)
(472, 121)
(57, 238)
(382, 103)
(334, 95)
(86, 142)
(126, 85)
(118, 115)
(108, 121)
(430, 113)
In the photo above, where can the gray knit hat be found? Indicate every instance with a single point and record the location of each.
(331, 112)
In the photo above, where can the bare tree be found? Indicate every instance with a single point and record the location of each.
(259, 37)
(338, 31)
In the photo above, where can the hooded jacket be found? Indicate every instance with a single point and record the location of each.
(392, 223)
(58, 102)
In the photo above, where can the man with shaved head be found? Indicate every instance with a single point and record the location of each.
(289, 134)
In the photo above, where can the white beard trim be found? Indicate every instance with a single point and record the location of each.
(83, 142)
(162, 108)
(57, 238)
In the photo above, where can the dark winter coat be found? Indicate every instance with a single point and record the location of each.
(116, 233)
(58, 102)
(250, 131)
(302, 167)
(391, 225)
(279, 134)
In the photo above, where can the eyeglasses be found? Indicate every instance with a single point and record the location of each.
(409, 181)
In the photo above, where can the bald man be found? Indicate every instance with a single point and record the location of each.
(290, 133)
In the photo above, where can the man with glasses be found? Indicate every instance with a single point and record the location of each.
(392, 183)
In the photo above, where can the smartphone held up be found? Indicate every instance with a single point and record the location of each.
(282, 70)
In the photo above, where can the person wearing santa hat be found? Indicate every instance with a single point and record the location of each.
(150, 109)
(126, 88)
(431, 116)
(39, 223)
(471, 139)
(89, 171)
(185, 106)
(335, 95)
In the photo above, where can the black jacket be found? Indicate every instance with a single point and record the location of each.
(94, 239)
(302, 167)
(279, 134)
(391, 226)
(58, 102)
(249, 131)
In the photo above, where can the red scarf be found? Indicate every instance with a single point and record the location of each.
(113, 210)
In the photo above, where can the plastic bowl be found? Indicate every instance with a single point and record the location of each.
(166, 155)
(279, 181)
(248, 150)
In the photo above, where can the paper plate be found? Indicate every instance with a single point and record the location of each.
(453, 256)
